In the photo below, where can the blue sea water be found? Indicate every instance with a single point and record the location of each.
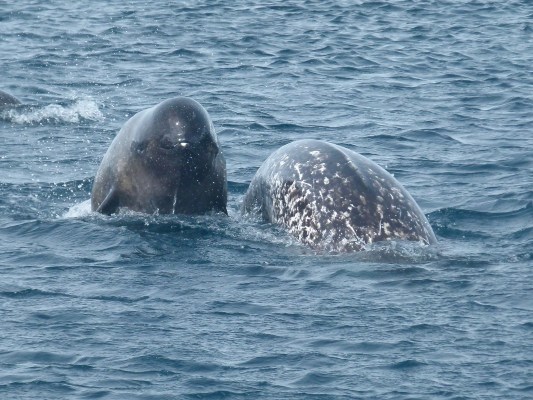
(440, 93)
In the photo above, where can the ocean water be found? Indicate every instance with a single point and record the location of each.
(440, 93)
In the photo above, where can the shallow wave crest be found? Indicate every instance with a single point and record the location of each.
(82, 109)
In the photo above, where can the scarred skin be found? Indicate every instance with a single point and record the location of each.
(332, 198)
(165, 159)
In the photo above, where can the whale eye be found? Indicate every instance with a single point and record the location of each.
(167, 143)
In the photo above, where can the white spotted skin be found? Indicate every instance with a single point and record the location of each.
(334, 199)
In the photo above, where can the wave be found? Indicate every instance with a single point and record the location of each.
(80, 110)
(52, 203)
(43, 200)
(79, 210)
(453, 220)
(432, 135)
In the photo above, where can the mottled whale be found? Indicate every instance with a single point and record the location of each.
(334, 199)
(165, 160)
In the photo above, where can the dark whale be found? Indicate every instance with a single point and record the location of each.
(334, 199)
(165, 159)
(7, 100)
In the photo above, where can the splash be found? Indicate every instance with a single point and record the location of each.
(82, 109)
(79, 210)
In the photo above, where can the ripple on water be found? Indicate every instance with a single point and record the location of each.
(135, 306)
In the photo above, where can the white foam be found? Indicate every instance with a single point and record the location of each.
(79, 210)
(73, 113)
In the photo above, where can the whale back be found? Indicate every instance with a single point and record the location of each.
(8, 100)
(333, 198)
